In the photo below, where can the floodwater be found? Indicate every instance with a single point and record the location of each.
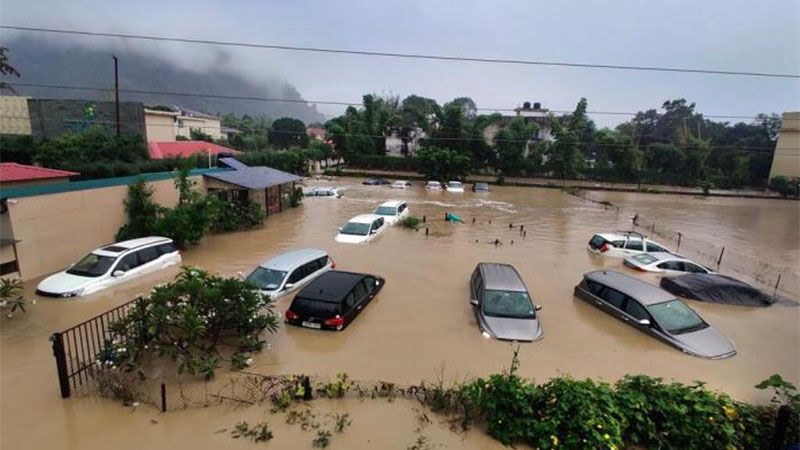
(421, 323)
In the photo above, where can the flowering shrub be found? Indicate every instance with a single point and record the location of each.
(11, 298)
(189, 321)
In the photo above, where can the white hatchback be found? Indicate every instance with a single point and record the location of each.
(289, 271)
(662, 262)
(328, 192)
(455, 186)
(111, 265)
(392, 211)
(623, 243)
(361, 229)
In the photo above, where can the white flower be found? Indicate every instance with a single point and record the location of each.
(249, 361)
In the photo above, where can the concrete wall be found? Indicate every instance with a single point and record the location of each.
(51, 118)
(207, 125)
(14, 117)
(786, 161)
(55, 230)
(160, 127)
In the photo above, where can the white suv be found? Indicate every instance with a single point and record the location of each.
(392, 211)
(288, 271)
(623, 243)
(111, 265)
(361, 229)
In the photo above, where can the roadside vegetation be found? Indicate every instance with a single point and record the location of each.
(410, 222)
(11, 298)
(198, 321)
(188, 221)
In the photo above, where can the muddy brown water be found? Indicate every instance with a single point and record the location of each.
(421, 322)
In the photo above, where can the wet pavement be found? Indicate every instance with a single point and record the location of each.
(421, 322)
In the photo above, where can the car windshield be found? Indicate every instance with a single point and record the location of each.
(266, 279)
(508, 304)
(676, 317)
(92, 265)
(455, 184)
(359, 229)
(434, 183)
(644, 258)
(386, 211)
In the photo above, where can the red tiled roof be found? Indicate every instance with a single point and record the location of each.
(20, 172)
(315, 131)
(185, 149)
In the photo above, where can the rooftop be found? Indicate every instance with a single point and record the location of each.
(501, 277)
(331, 286)
(364, 218)
(10, 172)
(185, 149)
(287, 261)
(254, 177)
(642, 291)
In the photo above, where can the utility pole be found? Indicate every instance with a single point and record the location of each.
(116, 91)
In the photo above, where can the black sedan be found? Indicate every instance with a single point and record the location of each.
(333, 300)
(375, 181)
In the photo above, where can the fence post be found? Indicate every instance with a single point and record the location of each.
(61, 364)
(775, 294)
(719, 261)
(679, 241)
(163, 397)
(781, 424)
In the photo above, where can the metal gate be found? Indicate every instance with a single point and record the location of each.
(76, 349)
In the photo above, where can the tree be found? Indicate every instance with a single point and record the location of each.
(443, 163)
(566, 159)
(420, 112)
(288, 132)
(512, 145)
(196, 134)
(468, 108)
(787, 187)
(6, 70)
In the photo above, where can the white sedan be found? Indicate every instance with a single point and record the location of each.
(401, 184)
(663, 262)
(329, 192)
(455, 186)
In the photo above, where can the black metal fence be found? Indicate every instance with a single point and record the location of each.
(76, 349)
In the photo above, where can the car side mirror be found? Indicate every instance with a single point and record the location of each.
(373, 231)
(340, 229)
(473, 301)
(644, 322)
(118, 273)
(288, 286)
(538, 307)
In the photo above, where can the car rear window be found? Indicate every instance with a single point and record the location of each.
(597, 241)
(307, 307)
(645, 258)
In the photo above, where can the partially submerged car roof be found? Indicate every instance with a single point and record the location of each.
(365, 218)
(119, 247)
(392, 203)
(331, 286)
(501, 277)
(645, 292)
(289, 260)
(716, 288)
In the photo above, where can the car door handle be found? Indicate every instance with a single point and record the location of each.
(625, 319)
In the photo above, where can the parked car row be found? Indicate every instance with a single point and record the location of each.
(363, 228)
(450, 186)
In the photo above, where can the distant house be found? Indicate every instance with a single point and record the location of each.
(229, 132)
(165, 126)
(185, 149)
(403, 141)
(17, 175)
(270, 188)
(538, 115)
(786, 161)
(316, 133)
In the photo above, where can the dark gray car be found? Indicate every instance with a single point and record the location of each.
(654, 311)
(502, 305)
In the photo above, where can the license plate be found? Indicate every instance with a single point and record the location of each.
(312, 325)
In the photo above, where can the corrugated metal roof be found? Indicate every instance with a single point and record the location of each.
(254, 177)
(233, 163)
(10, 171)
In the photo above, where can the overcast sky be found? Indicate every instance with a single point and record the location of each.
(752, 35)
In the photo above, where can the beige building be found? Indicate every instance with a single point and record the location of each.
(786, 161)
(14, 115)
(168, 126)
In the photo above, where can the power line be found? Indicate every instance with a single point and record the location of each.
(321, 102)
(402, 55)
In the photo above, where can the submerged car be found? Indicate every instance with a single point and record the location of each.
(392, 211)
(289, 271)
(333, 300)
(501, 303)
(620, 244)
(480, 187)
(455, 186)
(663, 262)
(716, 288)
(433, 186)
(375, 181)
(361, 229)
(111, 265)
(653, 311)
(401, 184)
(323, 192)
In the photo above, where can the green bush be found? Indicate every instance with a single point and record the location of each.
(410, 222)
(193, 321)
(378, 162)
(294, 160)
(237, 216)
(787, 187)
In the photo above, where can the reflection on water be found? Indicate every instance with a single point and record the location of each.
(422, 321)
